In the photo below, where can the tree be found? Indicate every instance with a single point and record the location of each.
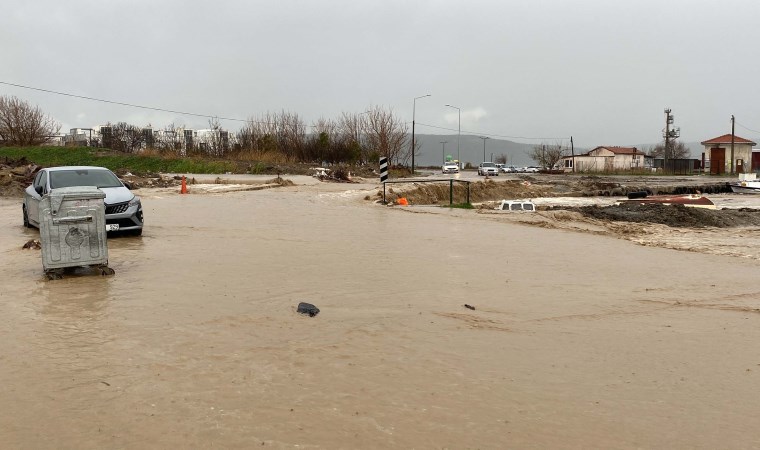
(169, 140)
(387, 135)
(283, 134)
(678, 150)
(548, 155)
(22, 124)
(215, 141)
(352, 127)
(125, 137)
(500, 159)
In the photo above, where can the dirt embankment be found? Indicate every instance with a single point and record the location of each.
(672, 215)
(481, 191)
(15, 176)
(554, 186)
(489, 191)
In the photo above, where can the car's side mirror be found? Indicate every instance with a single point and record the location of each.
(128, 185)
(38, 189)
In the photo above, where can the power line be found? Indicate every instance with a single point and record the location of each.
(490, 134)
(208, 116)
(746, 128)
(212, 116)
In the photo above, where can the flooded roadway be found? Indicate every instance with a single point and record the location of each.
(577, 340)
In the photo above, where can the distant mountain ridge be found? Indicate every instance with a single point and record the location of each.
(432, 152)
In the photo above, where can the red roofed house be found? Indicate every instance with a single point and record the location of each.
(717, 155)
(609, 159)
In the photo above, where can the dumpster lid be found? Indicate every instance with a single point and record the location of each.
(57, 196)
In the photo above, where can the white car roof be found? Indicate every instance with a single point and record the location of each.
(55, 169)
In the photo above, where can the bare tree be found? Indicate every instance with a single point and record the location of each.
(387, 135)
(169, 140)
(678, 150)
(125, 137)
(283, 133)
(22, 124)
(216, 141)
(500, 159)
(353, 128)
(548, 155)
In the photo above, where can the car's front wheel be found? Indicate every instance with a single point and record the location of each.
(26, 217)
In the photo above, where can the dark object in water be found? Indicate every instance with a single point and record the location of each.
(32, 244)
(308, 308)
(639, 194)
(469, 306)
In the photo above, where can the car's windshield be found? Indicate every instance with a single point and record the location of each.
(100, 178)
(489, 164)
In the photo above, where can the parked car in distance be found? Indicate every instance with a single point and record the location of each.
(509, 169)
(516, 205)
(123, 209)
(488, 169)
(532, 169)
(451, 167)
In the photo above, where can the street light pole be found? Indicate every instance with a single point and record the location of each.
(459, 132)
(484, 146)
(414, 110)
(443, 151)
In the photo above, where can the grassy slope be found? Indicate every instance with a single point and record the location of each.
(85, 156)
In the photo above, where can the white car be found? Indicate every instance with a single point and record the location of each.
(531, 169)
(516, 205)
(450, 167)
(123, 209)
(488, 169)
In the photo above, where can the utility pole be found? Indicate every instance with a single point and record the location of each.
(667, 140)
(484, 146)
(572, 152)
(414, 110)
(675, 133)
(459, 132)
(733, 135)
(443, 151)
(543, 156)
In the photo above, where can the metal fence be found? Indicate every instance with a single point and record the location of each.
(451, 182)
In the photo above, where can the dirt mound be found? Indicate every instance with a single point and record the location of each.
(673, 215)
(480, 191)
(15, 176)
(150, 180)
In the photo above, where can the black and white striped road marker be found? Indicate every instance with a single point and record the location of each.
(383, 169)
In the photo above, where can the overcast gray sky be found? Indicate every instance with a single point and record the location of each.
(599, 70)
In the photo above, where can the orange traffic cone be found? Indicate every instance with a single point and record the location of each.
(183, 190)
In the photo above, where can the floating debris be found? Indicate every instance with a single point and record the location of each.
(32, 244)
(308, 308)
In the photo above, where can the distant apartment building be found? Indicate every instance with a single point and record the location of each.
(181, 140)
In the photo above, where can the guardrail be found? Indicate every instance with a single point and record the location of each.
(451, 182)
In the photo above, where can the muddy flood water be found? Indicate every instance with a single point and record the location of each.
(577, 339)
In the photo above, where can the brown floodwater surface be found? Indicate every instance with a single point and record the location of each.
(576, 340)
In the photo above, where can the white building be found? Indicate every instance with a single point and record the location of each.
(609, 159)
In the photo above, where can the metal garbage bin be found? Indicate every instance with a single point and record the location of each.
(73, 230)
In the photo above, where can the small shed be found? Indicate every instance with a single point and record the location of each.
(717, 155)
(608, 159)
